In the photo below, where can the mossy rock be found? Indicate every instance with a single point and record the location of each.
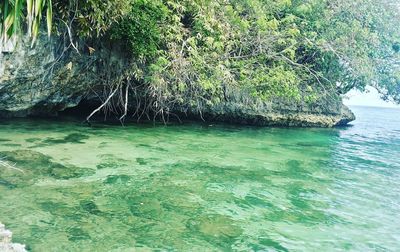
(77, 234)
(216, 229)
(111, 161)
(7, 184)
(73, 138)
(117, 179)
(90, 207)
(35, 163)
(145, 207)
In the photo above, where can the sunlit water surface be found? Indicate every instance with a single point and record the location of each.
(203, 187)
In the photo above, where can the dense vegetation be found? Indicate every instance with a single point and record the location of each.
(195, 52)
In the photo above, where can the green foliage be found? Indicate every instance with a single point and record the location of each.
(199, 52)
(355, 44)
(90, 18)
(140, 29)
(275, 81)
(11, 12)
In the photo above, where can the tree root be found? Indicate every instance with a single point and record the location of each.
(106, 102)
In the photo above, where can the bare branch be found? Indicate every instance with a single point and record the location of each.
(102, 105)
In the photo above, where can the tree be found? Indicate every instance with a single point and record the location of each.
(192, 53)
(359, 41)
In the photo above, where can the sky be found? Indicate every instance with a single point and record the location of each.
(371, 98)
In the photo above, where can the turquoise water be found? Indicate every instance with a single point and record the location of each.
(202, 187)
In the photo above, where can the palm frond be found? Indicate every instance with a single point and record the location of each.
(13, 11)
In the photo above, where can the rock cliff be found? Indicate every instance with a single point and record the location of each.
(50, 78)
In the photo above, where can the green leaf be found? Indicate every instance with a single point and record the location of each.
(49, 16)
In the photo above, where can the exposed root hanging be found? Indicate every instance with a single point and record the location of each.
(106, 102)
(125, 102)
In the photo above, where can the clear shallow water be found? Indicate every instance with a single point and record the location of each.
(203, 188)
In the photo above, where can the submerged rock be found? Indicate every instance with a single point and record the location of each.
(34, 163)
(37, 81)
(218, 230)
(6, 244)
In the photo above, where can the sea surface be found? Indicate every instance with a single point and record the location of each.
(200, 187)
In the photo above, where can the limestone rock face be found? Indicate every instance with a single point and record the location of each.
(47, 79)
(323, 113)
(24, 85)
(6, 244)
